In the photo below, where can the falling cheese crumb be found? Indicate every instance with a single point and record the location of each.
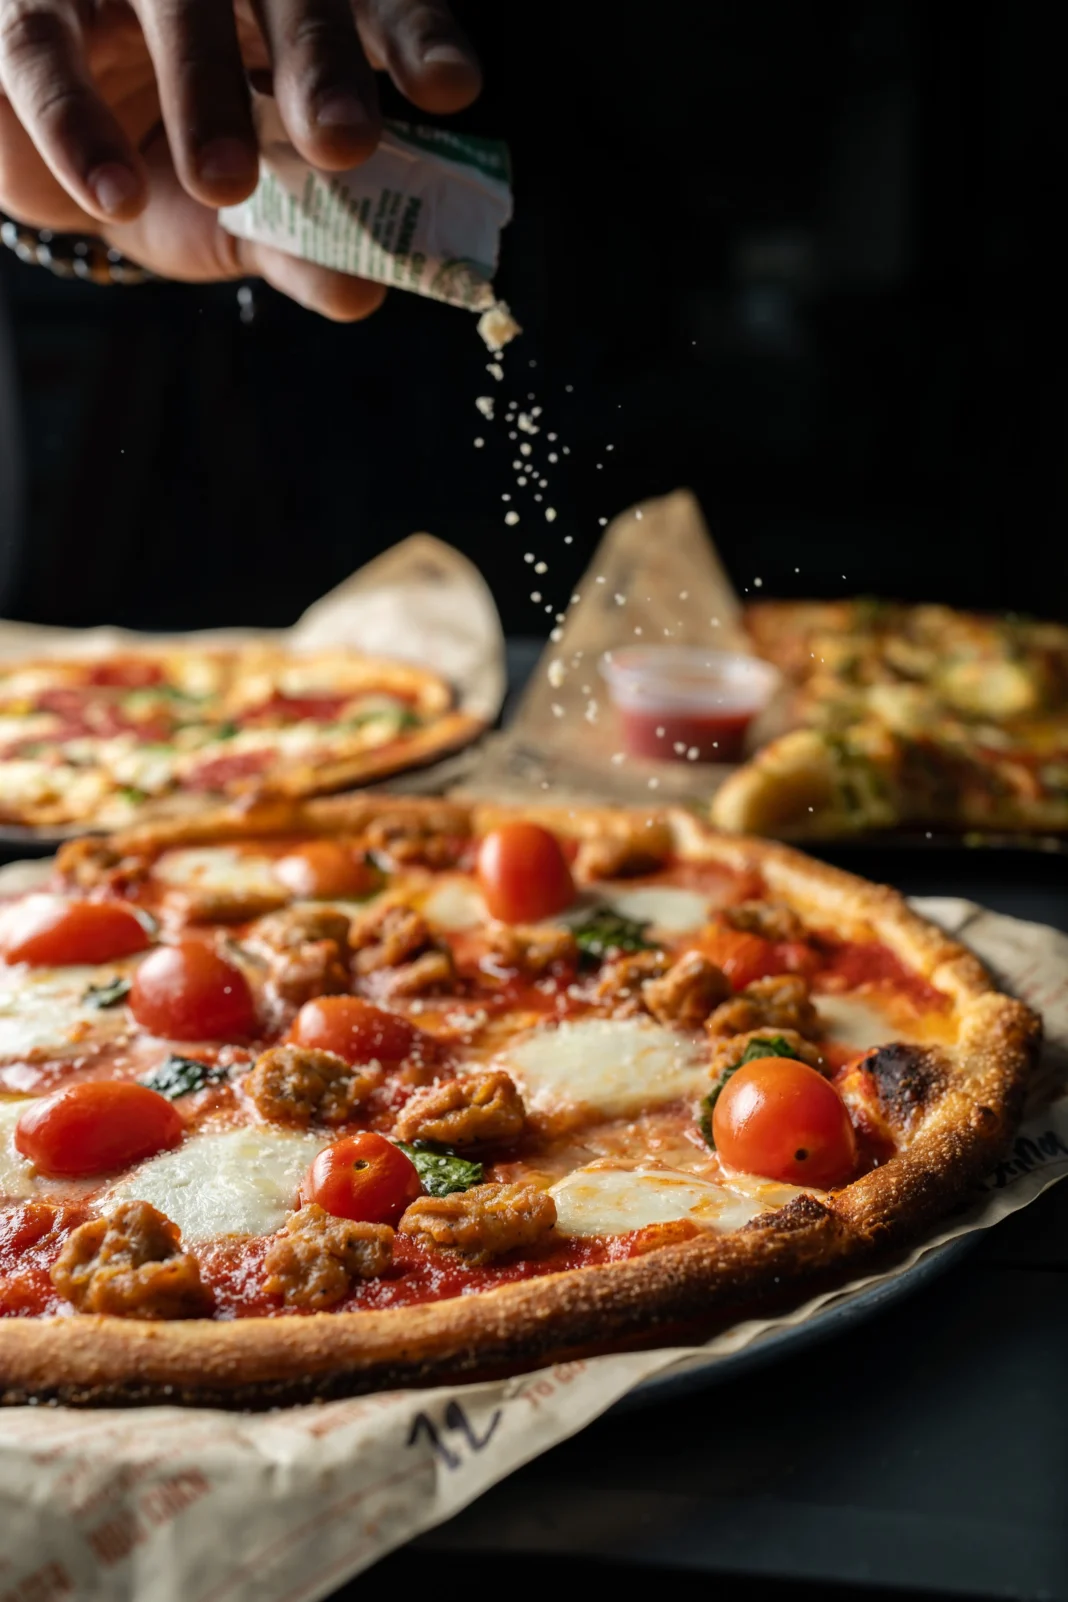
(498, 327)
(511, 518)
(550, 516)
(485, 406)
(495, 370)
(557, 673)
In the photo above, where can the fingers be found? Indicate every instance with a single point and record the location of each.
(322, 80)
(28, 191)
(178, 238)
(203, 96)
(334, 295)
(44, 74)
(426, 53)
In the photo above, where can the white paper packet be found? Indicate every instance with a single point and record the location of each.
(425, 213)
(163, 1504)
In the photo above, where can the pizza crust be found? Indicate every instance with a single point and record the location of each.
(681, 1291)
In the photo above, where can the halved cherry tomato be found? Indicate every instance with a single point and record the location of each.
(96, 1126)
(363, 1176)
(743, 956)
(353, 1029)
(54, 930)
(781, 1119)
(189, 992)
(524, 874)
(326, 868)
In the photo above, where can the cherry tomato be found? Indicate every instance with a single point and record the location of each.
(188, 992)
(353, 1029)
(96, 1126)
(54, 930)
(781, 1119)
(324, 868)
(524, 874)
(743, 956)
(363, 1176)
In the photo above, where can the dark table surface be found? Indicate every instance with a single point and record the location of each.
(922, 1452)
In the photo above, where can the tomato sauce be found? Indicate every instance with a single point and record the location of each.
(31, 1238)
(855, 964)
(126, 673)
(713, 736)
(235, 1272)
(295, 709)
(224, 770)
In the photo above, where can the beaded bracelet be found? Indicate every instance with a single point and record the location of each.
(71, 255)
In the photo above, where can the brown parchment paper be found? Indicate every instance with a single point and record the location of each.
(655, 579)
(421, 602)
(169, 1505)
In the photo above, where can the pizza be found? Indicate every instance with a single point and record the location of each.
(906, 716)
(99, 742)
(322, 1097)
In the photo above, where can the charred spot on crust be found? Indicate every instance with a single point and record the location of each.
(908, 1079)
(802, 1213)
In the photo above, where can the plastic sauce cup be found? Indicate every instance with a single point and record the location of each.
(683, 703)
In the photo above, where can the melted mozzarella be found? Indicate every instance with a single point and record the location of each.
(42, 1010)
(18, 878)
(17, 1178)
(27, 783)
(618, 1066)
(243, 1182)
(218, 868)
(664, 906)
(851, 1022)
(454, 905)
(604, 1200)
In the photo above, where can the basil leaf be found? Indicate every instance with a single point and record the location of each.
(108, 994)
(180, 1076)
(441, 1171)
(226, 731)
(764, 1046)
(131, 793)
(604, 931)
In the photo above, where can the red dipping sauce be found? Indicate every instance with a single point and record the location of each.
(686, 704)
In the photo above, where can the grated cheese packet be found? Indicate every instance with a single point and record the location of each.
(425, 213)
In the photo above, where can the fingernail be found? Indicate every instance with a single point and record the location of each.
(446, 53)
(114, 187)
(341, 110)
(226, 161)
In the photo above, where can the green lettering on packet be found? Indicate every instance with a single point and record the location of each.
(425, 213)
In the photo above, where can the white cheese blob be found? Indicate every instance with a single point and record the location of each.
(27, 783)
(607, 1200)
(454, 905)
(218, 868)
(667, 907)
(618, 1066)
(16, 1174)
(851, 1022)
(243, 1182)
(42, 1010)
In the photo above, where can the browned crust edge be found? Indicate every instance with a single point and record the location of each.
(709, 1281)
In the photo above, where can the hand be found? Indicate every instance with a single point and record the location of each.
(131, 118)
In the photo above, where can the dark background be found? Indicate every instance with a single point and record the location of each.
(803, 258)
